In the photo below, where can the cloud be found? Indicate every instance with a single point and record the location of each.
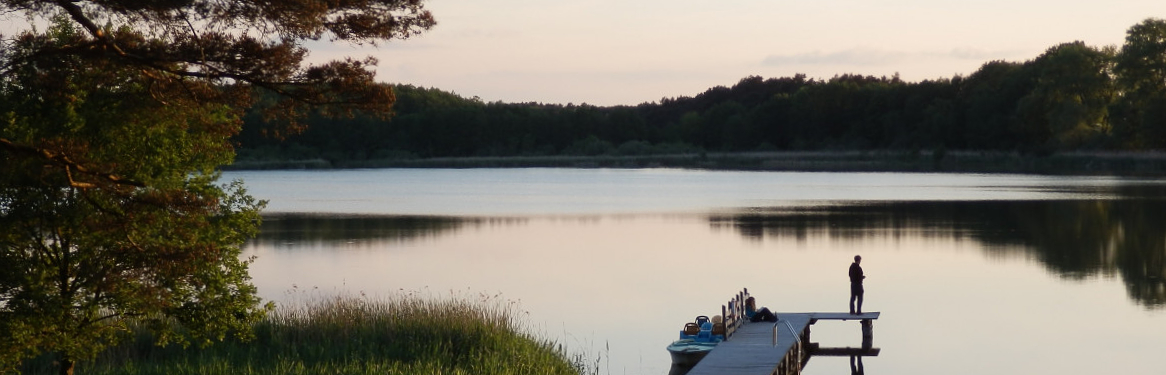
(854, 56)
(979, 54)
(875, 57)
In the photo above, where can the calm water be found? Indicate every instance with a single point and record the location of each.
(973, 274)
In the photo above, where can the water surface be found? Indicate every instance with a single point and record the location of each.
(1003, 274)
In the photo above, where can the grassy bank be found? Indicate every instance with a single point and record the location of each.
(1080, 163)
(350, 335)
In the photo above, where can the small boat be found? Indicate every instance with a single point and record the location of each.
(697, 339)
(687, 352)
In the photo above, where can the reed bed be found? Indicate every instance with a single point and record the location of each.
(354, 335)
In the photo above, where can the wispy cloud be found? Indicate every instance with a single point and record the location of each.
(855, 56)
(979, 54)
(875, 57)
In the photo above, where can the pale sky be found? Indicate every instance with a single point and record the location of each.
(610, 52)
(613, 52)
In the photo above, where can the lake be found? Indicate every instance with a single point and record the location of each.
(973, 274)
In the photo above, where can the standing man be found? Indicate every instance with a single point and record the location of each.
(856, 277)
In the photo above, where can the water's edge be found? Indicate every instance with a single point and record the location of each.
(1114, 164)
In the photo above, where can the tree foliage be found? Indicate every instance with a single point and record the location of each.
(1141, 74)
(1069, 102)
(113, 123)
(242, 43)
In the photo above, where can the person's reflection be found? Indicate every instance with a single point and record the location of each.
(856, 368)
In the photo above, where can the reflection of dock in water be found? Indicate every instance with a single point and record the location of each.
(781, 348)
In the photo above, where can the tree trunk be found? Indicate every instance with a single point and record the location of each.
(66, 366)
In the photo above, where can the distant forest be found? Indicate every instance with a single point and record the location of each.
(1073, 97)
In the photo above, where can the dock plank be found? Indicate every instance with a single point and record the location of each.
(838, 315)
(752, 349)
(845, 352)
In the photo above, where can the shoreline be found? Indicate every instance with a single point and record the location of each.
(1140, 164)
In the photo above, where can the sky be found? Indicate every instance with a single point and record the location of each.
(627, 52)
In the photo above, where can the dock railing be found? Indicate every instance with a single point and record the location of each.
(733, 313)
(777, 326)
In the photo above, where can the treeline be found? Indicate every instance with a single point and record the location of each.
(1072, 97)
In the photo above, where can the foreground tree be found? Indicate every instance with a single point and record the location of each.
(109, 141)
(149, 236)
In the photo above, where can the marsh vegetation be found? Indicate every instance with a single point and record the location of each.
(406, 334)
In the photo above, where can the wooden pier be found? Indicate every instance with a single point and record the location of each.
(781, 348)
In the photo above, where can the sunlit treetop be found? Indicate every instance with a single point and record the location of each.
(359, 20)
(241, 43)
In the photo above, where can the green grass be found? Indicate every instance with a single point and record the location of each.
(354, 335)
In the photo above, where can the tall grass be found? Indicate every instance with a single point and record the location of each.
(354, 335)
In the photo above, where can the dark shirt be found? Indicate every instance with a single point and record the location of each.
(856, 274)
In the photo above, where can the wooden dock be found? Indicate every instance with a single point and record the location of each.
(781, 348)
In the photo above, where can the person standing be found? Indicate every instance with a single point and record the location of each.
(856, 291)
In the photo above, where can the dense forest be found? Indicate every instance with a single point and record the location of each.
(1073, 97)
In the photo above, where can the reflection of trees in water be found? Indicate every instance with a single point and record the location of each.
(1074, 238)
(330, 229)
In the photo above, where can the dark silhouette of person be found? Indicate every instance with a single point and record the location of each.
(856, 291)
(856, 368)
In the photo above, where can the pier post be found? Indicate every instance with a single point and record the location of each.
(867, 333)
